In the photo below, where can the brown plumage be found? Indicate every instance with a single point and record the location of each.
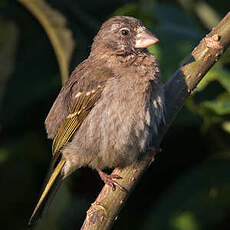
(108, 112)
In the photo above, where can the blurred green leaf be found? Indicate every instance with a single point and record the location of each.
(3, 155)
(185, 220)
(217, 73)
(175, 23)
(128, 10)
(226, 126)
(207, 14)
(184, 206)
(155, 50)
(204, 11)
(55, 26)
(219, 106)
(169, 62)
(169, 13)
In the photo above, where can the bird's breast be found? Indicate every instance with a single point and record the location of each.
(119, 127)
(127, 120)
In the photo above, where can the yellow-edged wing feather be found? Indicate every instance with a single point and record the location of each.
(81, 108)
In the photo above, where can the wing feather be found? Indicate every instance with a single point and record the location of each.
(82, 105)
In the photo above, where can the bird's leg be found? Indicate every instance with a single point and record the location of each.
(109, 180)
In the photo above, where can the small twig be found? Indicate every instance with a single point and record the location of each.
(103, 212)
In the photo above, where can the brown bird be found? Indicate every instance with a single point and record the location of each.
(109, 110)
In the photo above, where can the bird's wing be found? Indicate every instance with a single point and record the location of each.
(82, 103)
(77, 98)
(79, 106)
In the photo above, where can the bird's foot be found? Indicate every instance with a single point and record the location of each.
(109, 180)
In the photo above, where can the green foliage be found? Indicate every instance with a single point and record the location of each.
(202, 201)
(187, 188)
(55, 26)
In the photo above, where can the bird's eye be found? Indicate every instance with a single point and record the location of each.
(125, 31)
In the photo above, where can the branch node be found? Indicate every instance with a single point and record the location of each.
(97, 212)
(213, 42)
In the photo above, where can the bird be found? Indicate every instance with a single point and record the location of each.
(109, 111)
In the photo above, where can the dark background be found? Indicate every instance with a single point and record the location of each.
(188, 185)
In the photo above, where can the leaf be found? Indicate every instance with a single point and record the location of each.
(219, 74)
(226, 126)
(174, 23)
(129, 10)
(206, 14)
(185, 220)
(168, 62)
(219, 106)
(4, 155)
(197, 200)
(54, 24)
(155, 50)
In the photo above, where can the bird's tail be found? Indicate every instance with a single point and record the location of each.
(48, 193)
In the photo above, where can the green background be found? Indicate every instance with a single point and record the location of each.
(188, 185)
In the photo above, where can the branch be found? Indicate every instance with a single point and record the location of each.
(103, 212)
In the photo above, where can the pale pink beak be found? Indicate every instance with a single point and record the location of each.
(145, 39)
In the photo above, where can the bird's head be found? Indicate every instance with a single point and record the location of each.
(122, 35)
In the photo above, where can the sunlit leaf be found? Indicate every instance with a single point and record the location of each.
(207, 14)
(60, 36)
(219, 106)
(210, 76)
(185, 220)
(219, 74)
(226, 126)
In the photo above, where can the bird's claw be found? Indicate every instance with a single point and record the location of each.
(109, 180)
(115, 176)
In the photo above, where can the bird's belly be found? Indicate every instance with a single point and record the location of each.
(123, 133)
(115, 132)
(109, 137)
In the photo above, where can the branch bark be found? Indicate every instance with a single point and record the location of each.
(103, 212)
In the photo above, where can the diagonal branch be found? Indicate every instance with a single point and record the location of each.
(103, 212)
